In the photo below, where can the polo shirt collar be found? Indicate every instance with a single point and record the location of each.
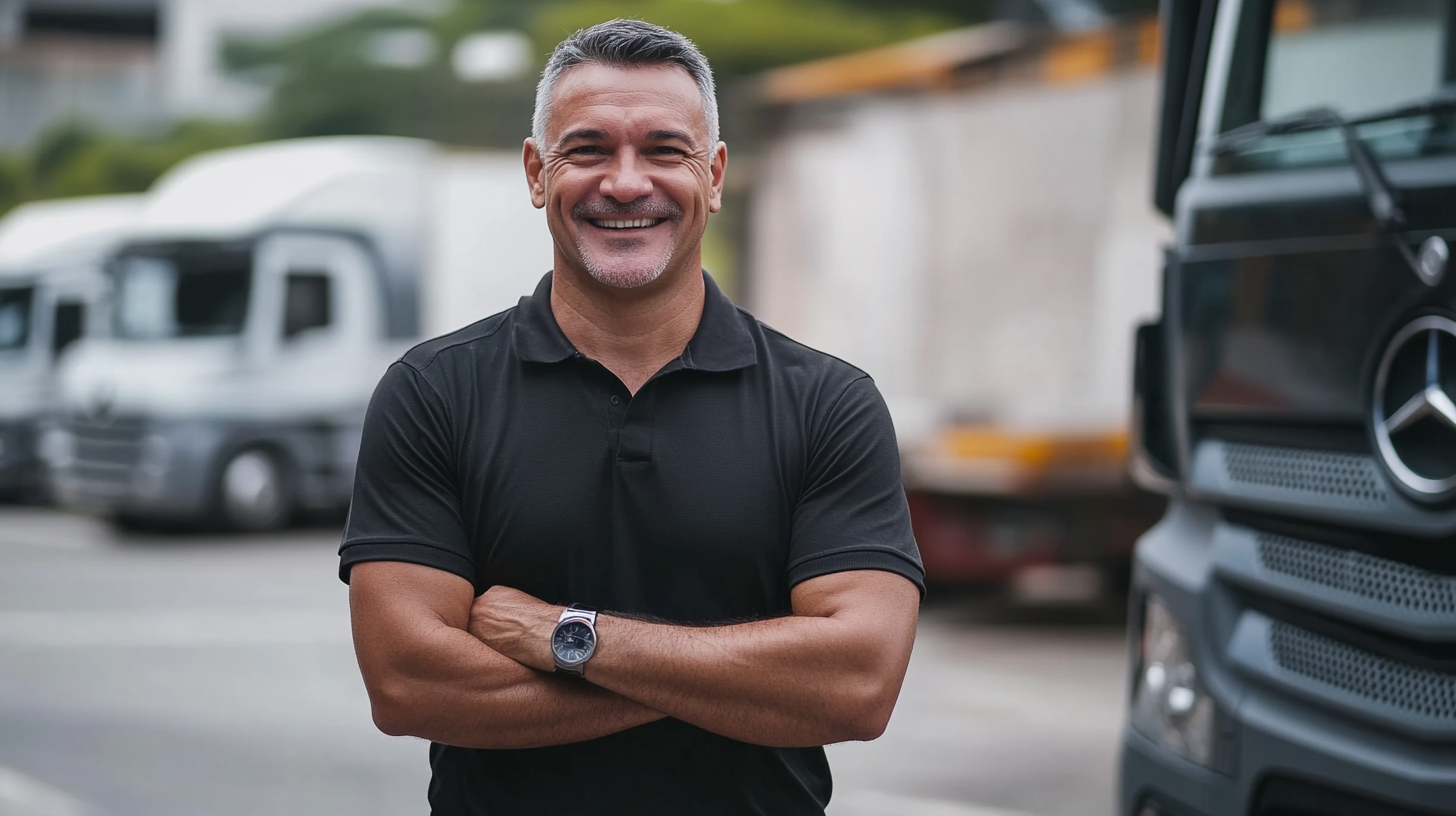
(722, 341)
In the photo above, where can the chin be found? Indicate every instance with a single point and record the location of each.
(626, 273)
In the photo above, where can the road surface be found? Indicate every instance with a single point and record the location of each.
(175, 675)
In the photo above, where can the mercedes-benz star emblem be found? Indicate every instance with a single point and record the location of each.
(1414, 414)
(101, 402)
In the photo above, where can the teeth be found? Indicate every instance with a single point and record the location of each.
(633, 224)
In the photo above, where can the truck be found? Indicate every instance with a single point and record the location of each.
(1293, 614)
(52, 293)
(261, 295)
(921, 211)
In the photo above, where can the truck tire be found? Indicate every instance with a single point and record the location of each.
(253, 491)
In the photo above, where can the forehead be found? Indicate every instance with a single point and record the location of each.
(652, 97)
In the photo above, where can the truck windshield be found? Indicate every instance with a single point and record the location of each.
(182, 294)
(15, 310)
(1354, 57)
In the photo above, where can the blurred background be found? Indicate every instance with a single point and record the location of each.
(220, 220)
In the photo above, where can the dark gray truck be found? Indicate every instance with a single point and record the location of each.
(1293, 617)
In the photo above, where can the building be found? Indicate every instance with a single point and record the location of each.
(126, 64)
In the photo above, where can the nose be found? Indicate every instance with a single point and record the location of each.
(626, 178)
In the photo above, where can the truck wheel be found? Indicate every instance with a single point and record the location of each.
(253, 492)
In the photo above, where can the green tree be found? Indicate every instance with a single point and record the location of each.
(74, 159)
(747, 36)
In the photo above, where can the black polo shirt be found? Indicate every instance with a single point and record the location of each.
(748, 464)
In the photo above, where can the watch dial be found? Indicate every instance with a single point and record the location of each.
(573, 641)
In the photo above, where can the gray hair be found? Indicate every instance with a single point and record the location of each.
(625, 44)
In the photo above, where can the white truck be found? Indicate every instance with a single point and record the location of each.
(263, 294)
(964, 217)
(52, 293)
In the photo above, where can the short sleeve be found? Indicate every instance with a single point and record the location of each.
(852, 513)
(406, 502)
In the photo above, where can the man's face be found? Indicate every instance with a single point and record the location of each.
(626, 175)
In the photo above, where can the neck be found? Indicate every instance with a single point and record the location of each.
(632, 332)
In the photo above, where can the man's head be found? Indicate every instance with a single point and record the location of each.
(624, 153)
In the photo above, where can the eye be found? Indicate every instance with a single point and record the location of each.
(584, 150)
(667, 150)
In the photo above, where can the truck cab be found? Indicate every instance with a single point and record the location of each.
(52, 293)
(1293, 637)
(262, 295)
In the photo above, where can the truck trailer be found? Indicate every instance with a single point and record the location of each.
(52, 293)
(1293, 617)
(261, 296)
(963, 217)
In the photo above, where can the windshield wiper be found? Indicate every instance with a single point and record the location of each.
(1381, 197)
(1378, 192)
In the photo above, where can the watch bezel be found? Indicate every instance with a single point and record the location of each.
(591, 649)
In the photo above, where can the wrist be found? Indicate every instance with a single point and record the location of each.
(574, 640)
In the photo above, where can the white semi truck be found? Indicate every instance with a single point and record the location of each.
(261, 297)
(52, 293)
(963, 217)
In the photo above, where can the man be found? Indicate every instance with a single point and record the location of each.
(722, 504)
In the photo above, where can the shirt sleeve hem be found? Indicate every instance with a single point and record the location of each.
(884, 560)
(408, 552)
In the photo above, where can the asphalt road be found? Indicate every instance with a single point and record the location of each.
(213, 676)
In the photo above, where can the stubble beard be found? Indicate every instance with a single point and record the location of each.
(625, 272)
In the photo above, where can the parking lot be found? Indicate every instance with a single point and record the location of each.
(162, 675)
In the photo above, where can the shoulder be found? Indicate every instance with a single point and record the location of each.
(790, 359)
(821, 385)
(484, 338)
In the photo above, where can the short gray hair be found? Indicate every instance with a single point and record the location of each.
(625, 44)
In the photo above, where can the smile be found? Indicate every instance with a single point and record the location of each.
(632, 223)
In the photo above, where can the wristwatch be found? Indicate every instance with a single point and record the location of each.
(574, 640)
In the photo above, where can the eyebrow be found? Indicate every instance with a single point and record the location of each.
(587, 134)
(670, 135)
(594, 134)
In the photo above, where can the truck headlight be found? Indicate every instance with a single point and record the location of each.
(1169, 705)
(57, 448)
(155, 454)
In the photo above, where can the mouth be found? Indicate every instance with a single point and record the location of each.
(625, 223)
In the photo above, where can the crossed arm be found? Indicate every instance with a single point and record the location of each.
(474, 672)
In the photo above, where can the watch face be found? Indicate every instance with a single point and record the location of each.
(573, 642)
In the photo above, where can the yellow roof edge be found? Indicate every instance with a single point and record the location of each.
(931, 61)
(912, 62)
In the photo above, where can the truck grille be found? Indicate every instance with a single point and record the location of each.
(1356, 632)
(107, 447)
(1383, 581)
(1421, 691)
(1336, 475)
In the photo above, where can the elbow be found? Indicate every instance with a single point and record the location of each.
(392, 713)
(868, 713)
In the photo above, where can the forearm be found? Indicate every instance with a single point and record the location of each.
(828, 673)
(451, 688)
(791, 681)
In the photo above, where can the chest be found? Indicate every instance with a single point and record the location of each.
(676, 502)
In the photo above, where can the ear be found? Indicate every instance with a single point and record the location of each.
(535, 178)
(717, 170)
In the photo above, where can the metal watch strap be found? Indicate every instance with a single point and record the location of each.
(579, 612)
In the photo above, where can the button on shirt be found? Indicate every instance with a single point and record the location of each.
(745, 466)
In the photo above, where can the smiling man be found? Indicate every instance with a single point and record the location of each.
(622, 549)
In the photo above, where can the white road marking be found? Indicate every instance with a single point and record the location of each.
(881, 803)
(134, 628)
(22, 795)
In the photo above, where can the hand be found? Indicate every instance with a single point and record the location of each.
(516, 625)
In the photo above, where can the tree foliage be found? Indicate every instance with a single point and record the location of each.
(747, 36)
(74, 159)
